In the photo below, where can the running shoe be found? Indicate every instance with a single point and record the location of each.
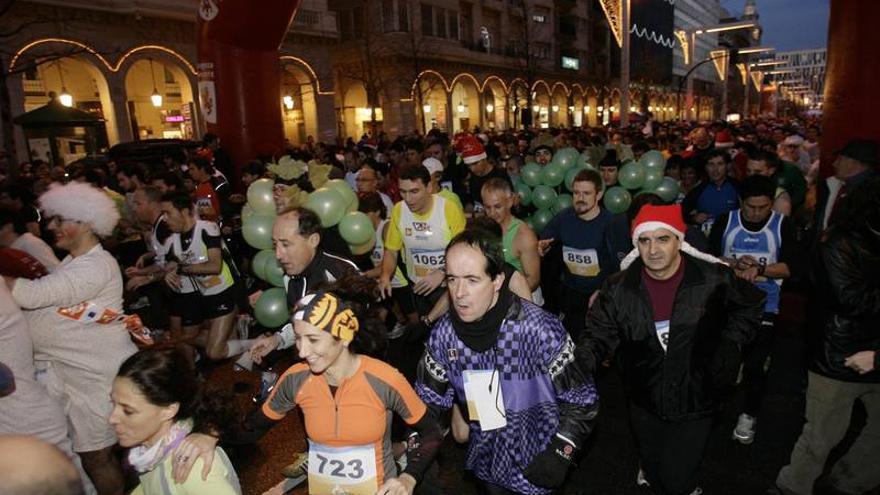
(299, 466)
(744, 432)
(640, 478)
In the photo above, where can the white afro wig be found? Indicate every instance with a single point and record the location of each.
(84, 203)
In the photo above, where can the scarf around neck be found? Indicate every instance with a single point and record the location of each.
(143, 458)
(481, 335)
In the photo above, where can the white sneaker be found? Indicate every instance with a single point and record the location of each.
(744, 432)
(640, 478)
(397, 331)
(697, 491)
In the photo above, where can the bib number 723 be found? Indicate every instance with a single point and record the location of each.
(353, 469)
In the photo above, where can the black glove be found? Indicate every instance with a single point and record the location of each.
(416, 332)
(549, 467)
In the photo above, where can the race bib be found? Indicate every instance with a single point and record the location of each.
(762, 258)
(581, 262)
(706, 227)
(485, 401)
(426, 261)
(662, 329)
(342, 470)
(209, 281)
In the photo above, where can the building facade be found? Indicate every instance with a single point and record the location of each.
(804, 74)
(350, 67)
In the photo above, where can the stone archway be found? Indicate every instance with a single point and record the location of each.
(298, 101)
(466, 109)
(559, 110)
(495, 103)
(173, 113)
(431, 90)
(542, 104)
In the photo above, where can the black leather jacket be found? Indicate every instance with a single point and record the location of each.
(715, 314)
(847, 279)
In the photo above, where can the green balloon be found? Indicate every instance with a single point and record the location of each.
(246, 211)
(617, 199)
(531, 174)
(570, 174)
(653, 178)
(667, 190)
(653, 160)
(356, 228)
(585, 160)
(259, 196)
(632, 175)
(365, 247)
(563, 201)
(258, 263)
(328, 204)
(566, 157)
(540, 219)
(525, 193)
(544, 197)
(552, 175)
(257, 230)
(345, 190)
(266, 267)
(271, 309)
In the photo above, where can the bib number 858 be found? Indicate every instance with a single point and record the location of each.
(333, 467)
(579, 258)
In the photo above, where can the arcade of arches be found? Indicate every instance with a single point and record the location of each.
(151, 92)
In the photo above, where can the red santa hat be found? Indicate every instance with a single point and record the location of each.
(723, 139)
(654, 217)
(470, 149)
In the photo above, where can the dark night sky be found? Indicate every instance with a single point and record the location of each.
(789, 24)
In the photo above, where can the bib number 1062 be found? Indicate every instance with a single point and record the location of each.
(433, 260)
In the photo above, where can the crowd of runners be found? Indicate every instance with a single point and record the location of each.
(401, 293)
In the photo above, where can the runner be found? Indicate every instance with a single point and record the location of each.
(675, 320)
(157, 401)
(590, 239)
(297, 238)
(421, 225)
(72, 313)
(519, 241)
(529, 412)
(347, 399)
(202, 281)
(757, 243)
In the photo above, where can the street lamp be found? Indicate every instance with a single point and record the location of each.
(156, 98)
(768, 63)
(688, 40)
(64, 98)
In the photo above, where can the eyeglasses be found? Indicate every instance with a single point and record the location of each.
(59, 219)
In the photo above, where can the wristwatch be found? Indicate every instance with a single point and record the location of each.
(426, 320)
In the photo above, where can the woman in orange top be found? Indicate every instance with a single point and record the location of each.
(347, 398)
